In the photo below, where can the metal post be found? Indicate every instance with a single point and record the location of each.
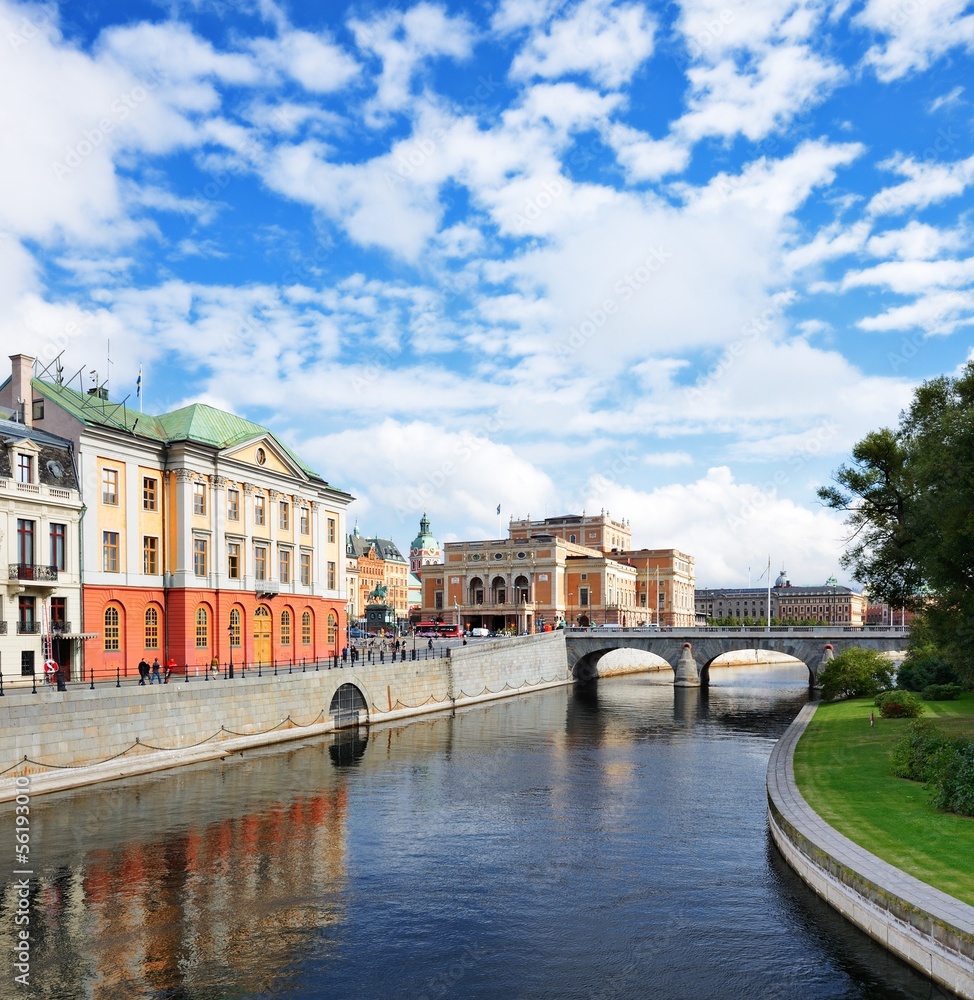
(92, 678)
(118, 677)
(33, 682)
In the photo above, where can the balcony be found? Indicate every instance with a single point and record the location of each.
(60, 628)
(28, 572)
(267, 587)
(28, 628)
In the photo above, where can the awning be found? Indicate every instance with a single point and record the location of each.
(76, 635)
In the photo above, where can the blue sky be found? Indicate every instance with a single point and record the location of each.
(670, 261)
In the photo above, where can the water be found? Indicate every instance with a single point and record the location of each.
(568, 844)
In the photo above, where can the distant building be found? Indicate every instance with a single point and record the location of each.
(578, 569)
(376, 563)
(829, 602)
(423, 551)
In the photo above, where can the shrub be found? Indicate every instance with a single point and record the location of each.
(920, 673)
(855, 673)
(913, 755)
(952, 781)
(942, 692)
(899, 705)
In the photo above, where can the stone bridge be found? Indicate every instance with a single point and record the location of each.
(691, 651)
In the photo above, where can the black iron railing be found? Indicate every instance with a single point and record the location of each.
(28, 571)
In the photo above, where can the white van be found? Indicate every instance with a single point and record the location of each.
(480, 633)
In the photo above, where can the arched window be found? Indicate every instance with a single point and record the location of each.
(202, 628)
(151, 628)
(521, 590)
(112, 630)
(476, 591)
(498, 590)
(285, 627)
(306, 627)
(234, 627)
(571, 538)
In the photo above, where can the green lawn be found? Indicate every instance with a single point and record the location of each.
(842, 767)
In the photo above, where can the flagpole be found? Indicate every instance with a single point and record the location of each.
(769, 593)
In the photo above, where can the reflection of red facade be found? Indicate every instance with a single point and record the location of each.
(210, 897)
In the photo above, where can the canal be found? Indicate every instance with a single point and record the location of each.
(603, 843)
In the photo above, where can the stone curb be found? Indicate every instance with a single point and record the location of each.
(927, 928)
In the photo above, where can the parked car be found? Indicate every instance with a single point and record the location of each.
(358, 633)
(481, 633)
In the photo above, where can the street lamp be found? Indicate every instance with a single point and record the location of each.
(230, 648)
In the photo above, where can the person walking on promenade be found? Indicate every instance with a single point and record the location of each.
(156, 677)
(143, 672)
(429, 645)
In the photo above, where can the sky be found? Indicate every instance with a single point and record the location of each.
(670, 261)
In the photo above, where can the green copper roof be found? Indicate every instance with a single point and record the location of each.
(196, 422)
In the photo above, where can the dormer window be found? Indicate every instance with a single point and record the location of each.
(25, 468)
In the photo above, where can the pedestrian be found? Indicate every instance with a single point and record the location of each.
(156, 677)
(429, 645)
(872, 719)
(344, 654)
(143, 672)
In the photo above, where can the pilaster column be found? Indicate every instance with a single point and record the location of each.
(183, 541)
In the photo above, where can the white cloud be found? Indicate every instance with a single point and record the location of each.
(404, 41)
(315, 61)
(775, 86)
(604, 41)
(916, 241)
(929, 183)
(914, 33)
(729, 526)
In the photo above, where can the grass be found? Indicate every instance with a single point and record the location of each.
(842, 767)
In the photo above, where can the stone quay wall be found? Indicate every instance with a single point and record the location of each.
(82, 736)
(927, 928)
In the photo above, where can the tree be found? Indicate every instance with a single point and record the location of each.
(855, 673)
(909, 497)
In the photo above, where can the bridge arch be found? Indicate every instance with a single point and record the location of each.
(793, 662)
(348, 706)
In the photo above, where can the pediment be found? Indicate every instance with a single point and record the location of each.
(266, 454)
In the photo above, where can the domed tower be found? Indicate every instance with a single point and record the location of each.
(782, 580)
(425, 549)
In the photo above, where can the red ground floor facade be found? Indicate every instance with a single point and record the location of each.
(189, 629)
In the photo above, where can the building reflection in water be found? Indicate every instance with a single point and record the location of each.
(208, 881)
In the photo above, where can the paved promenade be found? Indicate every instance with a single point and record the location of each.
(926, 927)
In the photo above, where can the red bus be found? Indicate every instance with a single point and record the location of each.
(438, 630)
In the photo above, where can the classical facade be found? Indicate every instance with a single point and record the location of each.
(40, 514)
(205, 538)
(573, 569)
(376, 563)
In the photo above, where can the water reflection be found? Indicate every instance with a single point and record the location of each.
(605, 841)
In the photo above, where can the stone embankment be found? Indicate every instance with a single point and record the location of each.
(83, 735)
(932, 931)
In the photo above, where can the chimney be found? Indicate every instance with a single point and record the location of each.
(22, 394)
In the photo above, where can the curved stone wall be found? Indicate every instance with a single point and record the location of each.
(927, 928)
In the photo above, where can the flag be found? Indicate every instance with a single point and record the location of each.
(498, 508)
(138, 383)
